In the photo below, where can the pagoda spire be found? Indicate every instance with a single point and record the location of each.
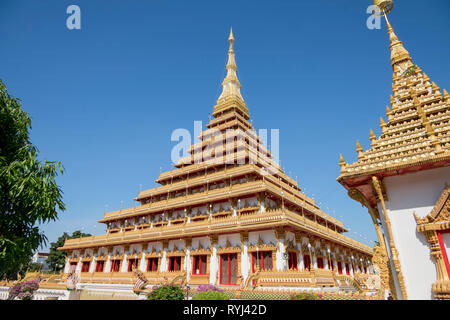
(399, 55)
(231, 87)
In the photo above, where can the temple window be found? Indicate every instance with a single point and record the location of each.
(152, 264)
(307, 262)
(347, 268)
(330, 264)
(115, 265)
(100, 265)
(320, 263)
(228, 268)
(262, 260)
(132, 263)
(85, 266)
(339, 264)
(73, 266)
(199, 264)
(292, 262)
(174, 263)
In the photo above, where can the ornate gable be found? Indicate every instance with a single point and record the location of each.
(439, 217)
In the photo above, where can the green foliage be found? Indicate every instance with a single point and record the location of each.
(28, 190)
(56, 258)
(211, 295)
(306, 296)
(34, 267)
(166, 292)
(411, 70)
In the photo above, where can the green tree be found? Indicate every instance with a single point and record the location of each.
(57, 258)
(29, 194)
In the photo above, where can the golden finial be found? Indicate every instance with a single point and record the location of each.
(231, 37)
(435, 87)
(385, 6)
(231, 85)
(446, 95)
(372, 136)
(359, 149)
(382, 124)
(388, 111)
(342, 162)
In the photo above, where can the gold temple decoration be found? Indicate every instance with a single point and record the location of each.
(415, 137)
(394, 252)
(201, 198)
(385, 6)
(437, 220)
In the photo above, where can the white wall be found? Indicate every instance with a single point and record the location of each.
(414, 192)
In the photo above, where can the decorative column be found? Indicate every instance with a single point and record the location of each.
(261, 202)
(214, 259)
(67, 265)
(79, 263)
(313, 254)
(234, 204)
(123, 267)
(108, 260)
(394, 253)
(187, 260)
(245, 263)
(298, 243)
(280, 235)
(344, 265)
(92, 265)
(381, 255)
(165, 245)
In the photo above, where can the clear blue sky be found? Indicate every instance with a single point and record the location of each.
(105, 99)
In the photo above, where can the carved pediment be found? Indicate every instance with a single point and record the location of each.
(261, 245)
(290, 245)
(228, 247)
(439, 217)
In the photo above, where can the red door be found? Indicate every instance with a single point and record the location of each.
(228, 268)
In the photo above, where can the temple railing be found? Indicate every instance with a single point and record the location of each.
(295, 278)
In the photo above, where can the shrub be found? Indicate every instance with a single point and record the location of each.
(166, 292)
(23, 290)
(207, 288)
(211, 295)
(306, 296)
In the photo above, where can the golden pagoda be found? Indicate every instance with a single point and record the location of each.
(225, 214)
(402, 175)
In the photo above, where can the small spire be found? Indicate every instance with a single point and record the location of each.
(359, 149)
(231, 86)
(388, 111)
(342, 163)
(231, 37)
(435, 87)
(446, 95)
(372, 136)
(398, 52)
(382, 124)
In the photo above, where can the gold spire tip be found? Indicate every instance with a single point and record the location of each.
(231, 37)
